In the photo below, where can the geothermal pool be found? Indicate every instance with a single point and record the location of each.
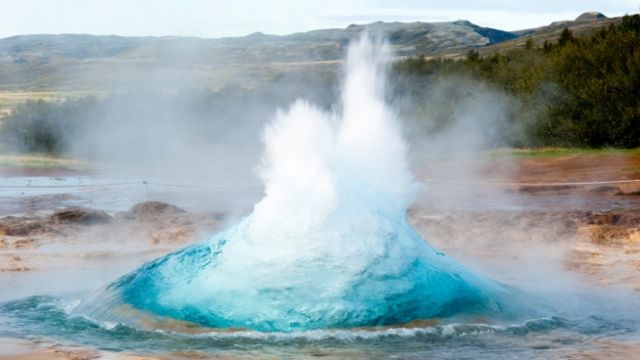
(326, 264)
(329, 246)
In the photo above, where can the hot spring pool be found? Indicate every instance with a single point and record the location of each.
(327, 264)
(49, 318)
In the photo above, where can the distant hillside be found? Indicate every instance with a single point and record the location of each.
(85, 62)
(95, 63)
(583, 25)
(573, 91)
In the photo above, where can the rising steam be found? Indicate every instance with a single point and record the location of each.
(329, 245)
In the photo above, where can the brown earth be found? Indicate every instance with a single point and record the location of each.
(582, 168)
(595, 228)
(600, 244)
(548, 175)
(152, 227)
(44, 171)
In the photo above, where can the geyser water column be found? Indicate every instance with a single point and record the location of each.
(328, 246)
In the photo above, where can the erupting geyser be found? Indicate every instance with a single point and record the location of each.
(328, 246)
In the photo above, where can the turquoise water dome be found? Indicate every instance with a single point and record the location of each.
(408, 281)
(329, 245)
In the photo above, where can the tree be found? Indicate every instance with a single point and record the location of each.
(566, 36)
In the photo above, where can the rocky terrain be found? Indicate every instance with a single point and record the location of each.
(147, 230)
(584, 25)
(73, 62)
(536, 236)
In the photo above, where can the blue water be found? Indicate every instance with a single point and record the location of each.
(407, 280)
(327, 264)
(50, 318)
(329, 246)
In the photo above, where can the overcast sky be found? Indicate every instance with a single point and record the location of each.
(217, 18)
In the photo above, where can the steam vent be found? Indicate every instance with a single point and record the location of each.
(329, 245)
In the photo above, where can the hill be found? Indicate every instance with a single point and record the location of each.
(584, 25)
(87, 63)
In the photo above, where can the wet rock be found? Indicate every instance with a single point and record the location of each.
(631, 189)
(151, 209)
(627, 218)
(80, 216)
(530, 189)
(24, 228)
(169, 235)
(604, 189)
(24, 244)
(607, 234)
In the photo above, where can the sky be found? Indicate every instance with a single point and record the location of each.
(218, 18)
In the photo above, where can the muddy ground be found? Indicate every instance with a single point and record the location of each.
(582, 210)
(147, 230)
(603, 245)
(591, 231)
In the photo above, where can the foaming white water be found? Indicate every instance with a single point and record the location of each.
(329, 245)
(331, 180)
(372, 152)
(318, 166)
(316, 162)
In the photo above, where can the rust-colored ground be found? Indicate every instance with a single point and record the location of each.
(590, 231)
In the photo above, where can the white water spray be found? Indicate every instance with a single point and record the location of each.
(329, 245)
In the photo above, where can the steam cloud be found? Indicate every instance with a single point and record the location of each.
(329, 245)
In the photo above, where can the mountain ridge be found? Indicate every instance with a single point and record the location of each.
(114, 62)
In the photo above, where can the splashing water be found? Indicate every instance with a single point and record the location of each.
(329, 245)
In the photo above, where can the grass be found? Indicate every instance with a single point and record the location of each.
(46, 161)
(10, 99)
(37, 161)
(559, 152)
(507, 153)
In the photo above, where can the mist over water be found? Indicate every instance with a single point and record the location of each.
(329, 245)
(318, 163)
(327, 262)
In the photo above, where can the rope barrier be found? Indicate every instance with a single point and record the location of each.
(584, 183)
(28, 186)
(437, 181)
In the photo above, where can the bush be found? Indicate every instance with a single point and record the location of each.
(581, 92)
